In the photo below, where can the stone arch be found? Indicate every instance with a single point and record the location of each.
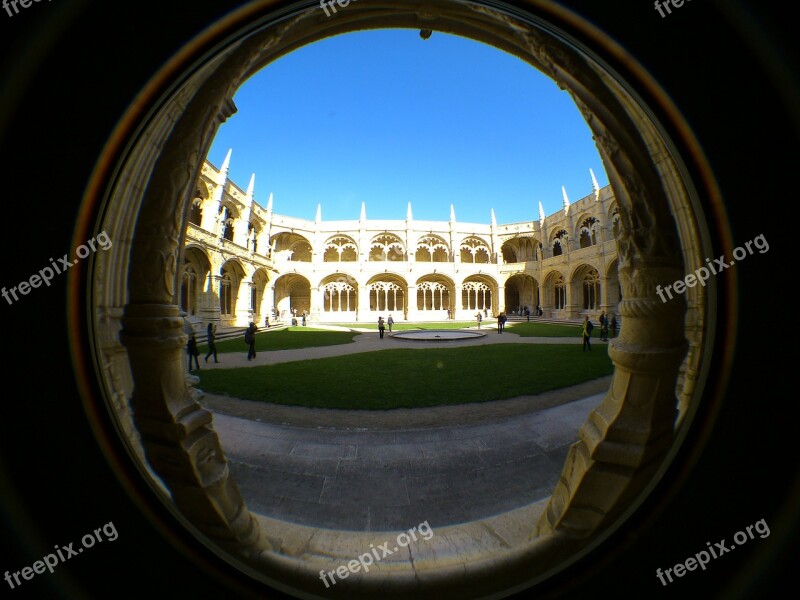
(475, 249)
(386, 247)
(339, 296)
(340, 248)
(559, 241)
(522, 291)
(232, 275)
(196, 269)
(258, 291)
(292, 295)
(291, 247)
(388, 292)
(435, 294)
(587, 230)
(663, 235)
(479, 293)
(521, 249)
(555, 295)
(432, 248)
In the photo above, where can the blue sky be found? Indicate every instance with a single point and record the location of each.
(386, 118)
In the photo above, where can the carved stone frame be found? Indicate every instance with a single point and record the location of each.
(137, 331)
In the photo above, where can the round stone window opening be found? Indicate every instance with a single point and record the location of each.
(142, 194)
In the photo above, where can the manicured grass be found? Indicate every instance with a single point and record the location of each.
(549, 330)
(284, 339)
(411, 326)
(413, 378)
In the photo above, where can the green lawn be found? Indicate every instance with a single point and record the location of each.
(549, 330)
(413, 378)
(401, 326)
(284, 339)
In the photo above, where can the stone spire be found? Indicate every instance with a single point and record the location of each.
(249, 196)
(494, 220)
(452, 214)
(409, 217)
(595, 186)
(211, 216)
(541, 215)
(566, 199)
(226, 165)
(318, 218)
(269, 205)
(363, 216)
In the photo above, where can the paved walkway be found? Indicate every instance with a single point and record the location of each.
(371, 342)
(384, 470)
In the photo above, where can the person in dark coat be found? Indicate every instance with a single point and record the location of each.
(250, 339)
(211, 338)
(501, 322)
(381, 327)
(614, 326)
(192, 351)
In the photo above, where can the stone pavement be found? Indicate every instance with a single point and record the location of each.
(386, 470)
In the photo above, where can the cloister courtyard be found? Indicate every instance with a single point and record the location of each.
(332, 426)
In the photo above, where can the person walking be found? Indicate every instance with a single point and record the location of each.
(390, 322)
(587, 333)
(381, 327)
(614, 326)
(603, 327)
(304, 318)
(192, 351)
(501, 322)
(480, 318)
(250, 340)
(211, 339)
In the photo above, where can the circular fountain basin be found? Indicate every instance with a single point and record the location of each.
(438, 335)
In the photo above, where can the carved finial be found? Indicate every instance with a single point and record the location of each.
(541, 214)
(318, 218)
(363, 216)
(409, 217)
(566, 199)
(494, 220)
(595, 186)
(251, 188)
(452, 213)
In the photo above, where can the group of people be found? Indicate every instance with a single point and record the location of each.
(193, 351)
(605, 325)
(383, 324)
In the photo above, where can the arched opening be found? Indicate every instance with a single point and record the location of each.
(432, 248)
(339, 297)
(387, 293)
(522, 292)
(340, 249)
(292, 295)
(291, 247)
(386, 247)
(638, 161)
